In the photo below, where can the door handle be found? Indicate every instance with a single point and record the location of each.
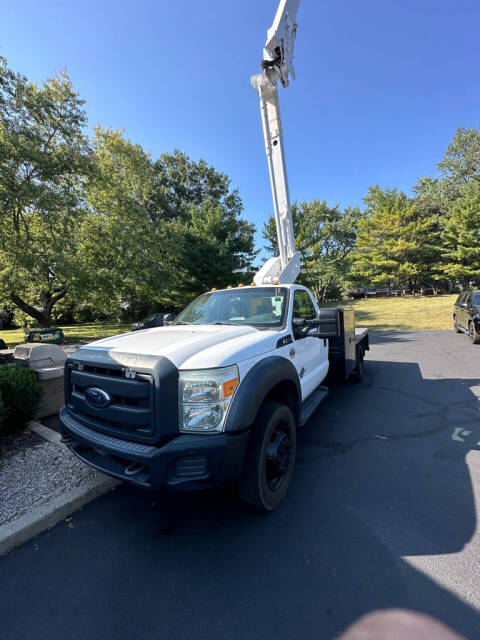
(292, 353)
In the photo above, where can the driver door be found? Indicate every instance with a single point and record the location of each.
(310, 353)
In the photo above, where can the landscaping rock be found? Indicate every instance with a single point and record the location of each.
(34, 471)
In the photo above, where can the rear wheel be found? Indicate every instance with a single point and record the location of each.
(473, 334)
(359, 371)
(455, 325)
(270, 457)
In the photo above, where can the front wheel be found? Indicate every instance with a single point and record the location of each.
(473, 334)
(270, 457)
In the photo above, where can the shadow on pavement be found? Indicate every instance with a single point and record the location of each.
(379, 477)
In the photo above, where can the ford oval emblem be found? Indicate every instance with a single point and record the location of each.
(97, 398)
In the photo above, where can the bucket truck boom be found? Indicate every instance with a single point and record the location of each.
(277, 64)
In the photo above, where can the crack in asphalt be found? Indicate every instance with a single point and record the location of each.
(464, 407)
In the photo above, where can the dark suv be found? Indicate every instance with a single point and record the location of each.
(466, 315)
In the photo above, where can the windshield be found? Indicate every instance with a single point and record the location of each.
(258, 306)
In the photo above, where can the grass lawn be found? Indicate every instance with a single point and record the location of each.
(402, 314)
(72, 333)
(380, 314)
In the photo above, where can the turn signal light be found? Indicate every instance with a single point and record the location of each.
(275, 281)
(229, 387)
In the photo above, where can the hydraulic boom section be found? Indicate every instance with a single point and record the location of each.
(277, 64)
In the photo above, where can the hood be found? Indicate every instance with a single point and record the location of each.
(190, 346)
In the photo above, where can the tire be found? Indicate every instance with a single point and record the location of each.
(473, 333)
(358, 374)
(270, 458)
(455, 325)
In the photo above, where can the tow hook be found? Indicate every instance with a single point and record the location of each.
(134, 468)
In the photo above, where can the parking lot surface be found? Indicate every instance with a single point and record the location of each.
(382, 512)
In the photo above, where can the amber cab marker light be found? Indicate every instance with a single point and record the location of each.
(229, 286)
(275, 282)
(254, 284)
(241, 284)
(214, 288)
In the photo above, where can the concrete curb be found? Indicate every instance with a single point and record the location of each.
(48, 515)
(45, 432)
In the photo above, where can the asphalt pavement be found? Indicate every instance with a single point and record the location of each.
(382, 512)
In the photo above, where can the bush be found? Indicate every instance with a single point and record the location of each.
(2, 412)
(21, 395)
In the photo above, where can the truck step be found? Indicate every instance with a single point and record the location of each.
(311, 403)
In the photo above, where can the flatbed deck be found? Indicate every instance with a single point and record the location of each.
(360, 333)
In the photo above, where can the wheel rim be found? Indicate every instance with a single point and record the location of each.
(279, 457)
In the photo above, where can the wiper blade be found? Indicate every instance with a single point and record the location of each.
(182, 322)
(237, 324)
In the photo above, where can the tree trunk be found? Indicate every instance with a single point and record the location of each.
(44, 315)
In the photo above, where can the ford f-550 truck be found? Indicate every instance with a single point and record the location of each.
(217, 396)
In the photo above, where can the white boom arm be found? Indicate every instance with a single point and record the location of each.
(277, 64)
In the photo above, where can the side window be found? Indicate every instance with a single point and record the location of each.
(459, 299)
(303, 308)
(303, 305)
(468, 300)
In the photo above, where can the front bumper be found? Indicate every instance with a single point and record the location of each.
(187, 462)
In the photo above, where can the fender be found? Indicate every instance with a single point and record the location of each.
(253, 389)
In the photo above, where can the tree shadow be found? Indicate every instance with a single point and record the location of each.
(379, 477)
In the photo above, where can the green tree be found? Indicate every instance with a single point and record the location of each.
(461, 236)
(44, 157)
(461, 162)
(325, 236)
(397, 243)
(141, 251)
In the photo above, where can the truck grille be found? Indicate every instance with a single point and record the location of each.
(130, 413)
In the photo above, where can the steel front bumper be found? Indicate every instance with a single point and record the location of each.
(186, 462)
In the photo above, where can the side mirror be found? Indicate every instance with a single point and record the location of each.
(298, 323)
(328, 322)
(169, 318)
(325, 325)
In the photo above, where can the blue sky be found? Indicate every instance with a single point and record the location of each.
(381, 85)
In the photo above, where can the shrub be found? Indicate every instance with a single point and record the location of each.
(21, 394)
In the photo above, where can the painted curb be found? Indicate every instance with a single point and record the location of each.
(48, 515)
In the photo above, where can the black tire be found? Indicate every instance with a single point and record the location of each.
(473, 333)
(359, 372)
(455, 325)
(267, 474)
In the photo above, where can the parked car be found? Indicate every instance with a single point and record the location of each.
(157, 320)
(466, 315)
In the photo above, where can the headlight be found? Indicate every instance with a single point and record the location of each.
(204, 398)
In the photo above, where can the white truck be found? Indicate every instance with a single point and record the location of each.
(217, 396)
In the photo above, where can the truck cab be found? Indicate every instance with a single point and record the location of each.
(182, 406)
